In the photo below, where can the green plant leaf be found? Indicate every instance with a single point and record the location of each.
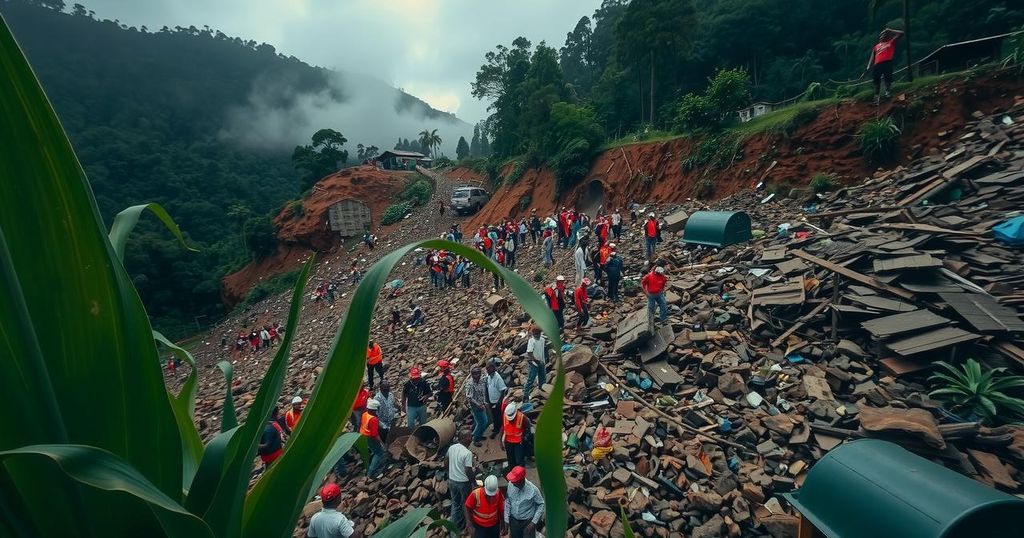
(404, 526)
(228, 419)
(627, 530)
(99, 347)
(321, 424)
(226, 508)
(1009, 382)
(341, 446)
(989, 408)
(103, 470)
(126, 220)
(211, 468)
(184, 405)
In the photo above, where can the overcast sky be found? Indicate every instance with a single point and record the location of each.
(429, 48)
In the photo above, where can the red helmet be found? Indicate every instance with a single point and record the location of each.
(414, 373)
(443, 364)
(329, 492)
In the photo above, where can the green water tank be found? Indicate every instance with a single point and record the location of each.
(717, 228)
(871, 488)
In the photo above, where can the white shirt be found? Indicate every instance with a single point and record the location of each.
(330, 523)
(616, 219)
(536, 347)
(459, 457)
(495, 385)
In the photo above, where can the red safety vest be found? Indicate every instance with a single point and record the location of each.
(514, 429)
(374, 355)
(291, 418)
(369, 426)
(451, 383)
(553, 299)
(485, 512)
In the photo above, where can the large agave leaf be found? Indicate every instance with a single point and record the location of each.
(99, 353)
(341, 446)
(126, 220)
(272, 506)
(228, 419)
(102, 470)
(184, 406)
(409, 524)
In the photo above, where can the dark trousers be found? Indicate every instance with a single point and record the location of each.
(498, 281)
(517, 528)
(613, 288)
(584, 316)
(444, 399)
(487, 532)
(459, 491)
(560, 318)
(370, 368)
(534, 234)
(598, 271)
(515, 454)
(497, 416)
(617, 230)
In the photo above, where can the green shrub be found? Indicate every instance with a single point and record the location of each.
(727, 92)
(822, 182)
(717, 151)
(395, 213)
(517, 173)
(694, 113)
(969, 391)
(417, 192)
(443, 162)
(878, 139)
(780, 189)
(260, 236)
(297, 208)
(492, 167)
(1015, 51)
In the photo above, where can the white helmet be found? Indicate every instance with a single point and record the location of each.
(373, 405)
(560, 278)
(510, 410)
(660, 270)
(491, 485)
(297, 399)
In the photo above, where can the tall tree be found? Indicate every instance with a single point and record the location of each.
(474, 145)
(576, 57)
(485, 145)
(500, 80)
(462, 149)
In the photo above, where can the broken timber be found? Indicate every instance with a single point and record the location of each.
(854, 275)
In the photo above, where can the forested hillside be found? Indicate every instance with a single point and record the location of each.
(643, 68)
(149, 113)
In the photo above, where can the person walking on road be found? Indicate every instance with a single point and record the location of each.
(461, 476)
(329, 522)
(374, 363)
(486, 509)
(536, 359)
(476, 396)
(496, 391)
(524, 505)
(415, 394)
(653, 284)
(369, 427)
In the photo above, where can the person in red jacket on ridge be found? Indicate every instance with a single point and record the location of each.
(654, 284)
(881, 60)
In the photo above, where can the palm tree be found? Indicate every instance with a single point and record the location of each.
(431, 140)
(874, 5)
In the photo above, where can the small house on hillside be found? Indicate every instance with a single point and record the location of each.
(755, 110)
(394, 159)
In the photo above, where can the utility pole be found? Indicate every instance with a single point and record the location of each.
(652, 87)
(906, 38)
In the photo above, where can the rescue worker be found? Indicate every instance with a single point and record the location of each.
(514, 427)
(369, 427)
(524, 505)
(555, 295)
(374, 362)
(653, 284)
(614, 272)
(415, 394)
(600, 268)
(358, 406)
(329, 522)
(291, 416)
(272, 441)
(582, 300)
(486, 509)
(651, 231)
(445, 386)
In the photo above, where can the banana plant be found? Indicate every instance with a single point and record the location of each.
(90, 430)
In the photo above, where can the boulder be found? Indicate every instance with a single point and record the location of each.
(906, 423)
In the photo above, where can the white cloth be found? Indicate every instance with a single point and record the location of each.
(459, 457)
(535, 347)
(616, 219)
(330, 523)
(581, 265)
(495, 386)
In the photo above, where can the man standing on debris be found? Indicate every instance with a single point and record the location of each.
(291, 416)
(555, 295)
(580, 257)
(582, 304)
(369, 427)
(651, 232)
(271, 442)
(524, 505)
(445, 386)
(486, 508)
(617, 224)
(374, 362)
(496, 391)
(514, 428)
(548, 249)
(388, 411)
(329, 522)
(476, 395)
(358, 407)
(537, 359)
(415, 394)
(613, 269)
(653, 284)
(461, 476)
(534, 226)
(881, 60)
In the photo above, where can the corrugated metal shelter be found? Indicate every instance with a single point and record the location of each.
(349, 217)
(717, 228)
(871, 488)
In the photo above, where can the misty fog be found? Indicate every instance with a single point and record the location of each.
(277, 117)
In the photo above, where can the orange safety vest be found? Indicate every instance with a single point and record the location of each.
(374, 355)
(369, 426)
(291, 418)
(604, 253)
(485, 512)
(451, 383)
(513, 429)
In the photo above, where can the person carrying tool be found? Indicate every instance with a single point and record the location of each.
(374, 362)
(514, 428)
(654, 284)
(524, 505)
(555, 295)
(329, 522)
(461, 476)
(445, 386)
(415, 394)
(881, 60)
(486, 508)
(369, 427)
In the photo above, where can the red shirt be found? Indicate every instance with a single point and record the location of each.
(884, 51)
(581, 298)
(651, 228)
(361, 399)
(653, 283)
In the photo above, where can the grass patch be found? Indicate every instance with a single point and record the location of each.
(878, 139)
(395, 213)
(640, 138)
(784, 121)
(822, 182)
(717, 151)
(271, 286)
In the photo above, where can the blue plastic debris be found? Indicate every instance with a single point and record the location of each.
(566, 347)
(1010, 232)
(794, 358)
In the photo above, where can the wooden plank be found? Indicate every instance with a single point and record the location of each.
(983, 312)
(783, 293)
(931, 340)
(881, 303)
(800, 323)
(903, 263)
(928, 228)
(965, 166)
(888, 326)
(854, 275)
(899, 366)
(790, 267)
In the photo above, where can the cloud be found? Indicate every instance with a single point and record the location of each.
(276, 117)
